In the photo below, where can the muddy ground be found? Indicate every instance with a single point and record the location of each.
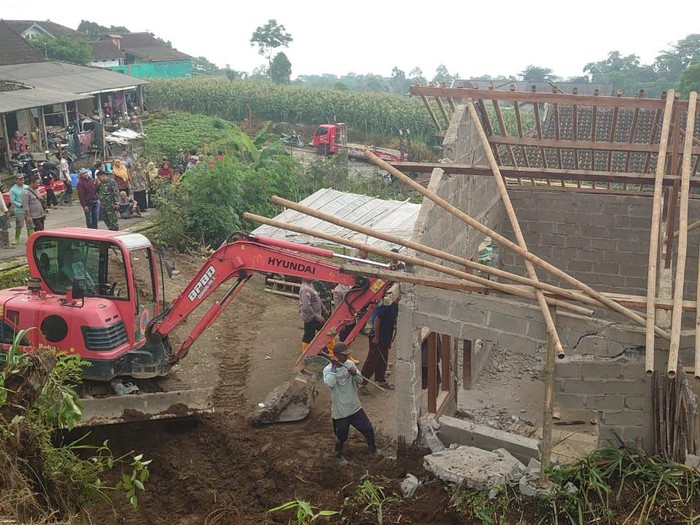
(217, 469)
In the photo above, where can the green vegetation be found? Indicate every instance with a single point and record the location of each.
(237, 100)
(305, 514)
(63, 47)
(609, 486)
(40, 479)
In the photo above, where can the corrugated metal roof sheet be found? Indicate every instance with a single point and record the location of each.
(395, 217)
(68, 78)
(33, 97)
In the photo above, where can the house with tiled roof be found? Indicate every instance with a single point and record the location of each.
(31, 28)
(146, 56)
(106, 54)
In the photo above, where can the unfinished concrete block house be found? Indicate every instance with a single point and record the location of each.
(590, 203)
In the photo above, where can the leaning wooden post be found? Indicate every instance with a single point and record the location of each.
(652, 274)
(697, 327)
(507, 243)
(548, 411)
(549, 322)
(569, 294)
(682, 239)
(505, 288)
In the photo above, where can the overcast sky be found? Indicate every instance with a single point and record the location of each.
(362, 36)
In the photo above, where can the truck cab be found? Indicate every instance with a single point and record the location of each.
(330, 138)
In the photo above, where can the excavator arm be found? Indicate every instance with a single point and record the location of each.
(237, 260)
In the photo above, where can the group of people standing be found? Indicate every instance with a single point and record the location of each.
(342, 376)
(112, 192)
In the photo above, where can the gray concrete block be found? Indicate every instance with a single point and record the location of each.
(568, 368)
(578, 242)
(603, 244)
(507, 323)
(570, 402)
(598, 346)
(458, 431)
(432, 306)
(468, 312)
(623, 418)
(473, 468)
(638, 402)
(600, 370)
(626, 388)
(604, 403)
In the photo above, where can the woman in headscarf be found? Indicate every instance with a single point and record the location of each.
(139, 185)
(166, 171)
(121, 175)
(151, 175)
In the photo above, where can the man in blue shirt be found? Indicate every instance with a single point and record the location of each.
(341, 376)
(16, 200)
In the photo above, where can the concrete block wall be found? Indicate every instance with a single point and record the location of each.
(475, 196)
(603, 371)
(601, 239)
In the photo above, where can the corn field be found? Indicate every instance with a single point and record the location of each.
(238, 100)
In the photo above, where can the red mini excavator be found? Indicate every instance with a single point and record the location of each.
(99, 294)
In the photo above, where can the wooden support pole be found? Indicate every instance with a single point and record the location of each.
(696, 366)
(682, 239)
(549, 322)
(509, 289)
(445, 361)
(467, 363)
(548, 409)
(652, 266)
(432, 373)
(503, 241)
(569, 294)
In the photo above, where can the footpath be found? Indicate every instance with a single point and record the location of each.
(61, 217)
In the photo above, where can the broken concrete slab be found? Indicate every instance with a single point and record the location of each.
(473, 467)
(430, 437)
(454, 430)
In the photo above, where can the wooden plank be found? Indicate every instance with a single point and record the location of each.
(285, 294)
(432, 373)
(557, 135)
(504, 133)
(526, 97)
(445, 362)
(519, 123)
(574, 136)
(466, 364)
(677, 314)
(443, 111)
(654, 128)
(579, 144)
(431, 113)
(652, 269)
(539, 173)
(510, 211)
(538, 131)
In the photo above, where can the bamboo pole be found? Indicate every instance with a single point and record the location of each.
(508, 289)
(548, 410)
(696, 365)
(682, 239)
(503, 241)
(562, 292)
(548, 321)
(444, 283)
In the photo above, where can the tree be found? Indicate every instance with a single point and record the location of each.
(269, 37)
(623, 72)
(63, 48)
(202, 66)
(416, 76)
(443, 75)
(538, 74)
(93, 28)
(399, 83)
(280, 69)
(690, 80)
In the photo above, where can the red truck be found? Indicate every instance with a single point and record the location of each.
(332, 138)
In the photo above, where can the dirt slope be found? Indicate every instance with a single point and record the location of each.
(217, 469)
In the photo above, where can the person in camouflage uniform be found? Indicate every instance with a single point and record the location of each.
(108, 194)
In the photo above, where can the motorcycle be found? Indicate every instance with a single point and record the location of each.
(294, 140)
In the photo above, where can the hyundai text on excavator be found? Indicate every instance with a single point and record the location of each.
(100, 294)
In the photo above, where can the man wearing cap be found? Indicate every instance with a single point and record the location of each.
(16, 200)
(341, 376)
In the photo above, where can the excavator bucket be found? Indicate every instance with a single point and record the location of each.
(146, 406)
(291, 401)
